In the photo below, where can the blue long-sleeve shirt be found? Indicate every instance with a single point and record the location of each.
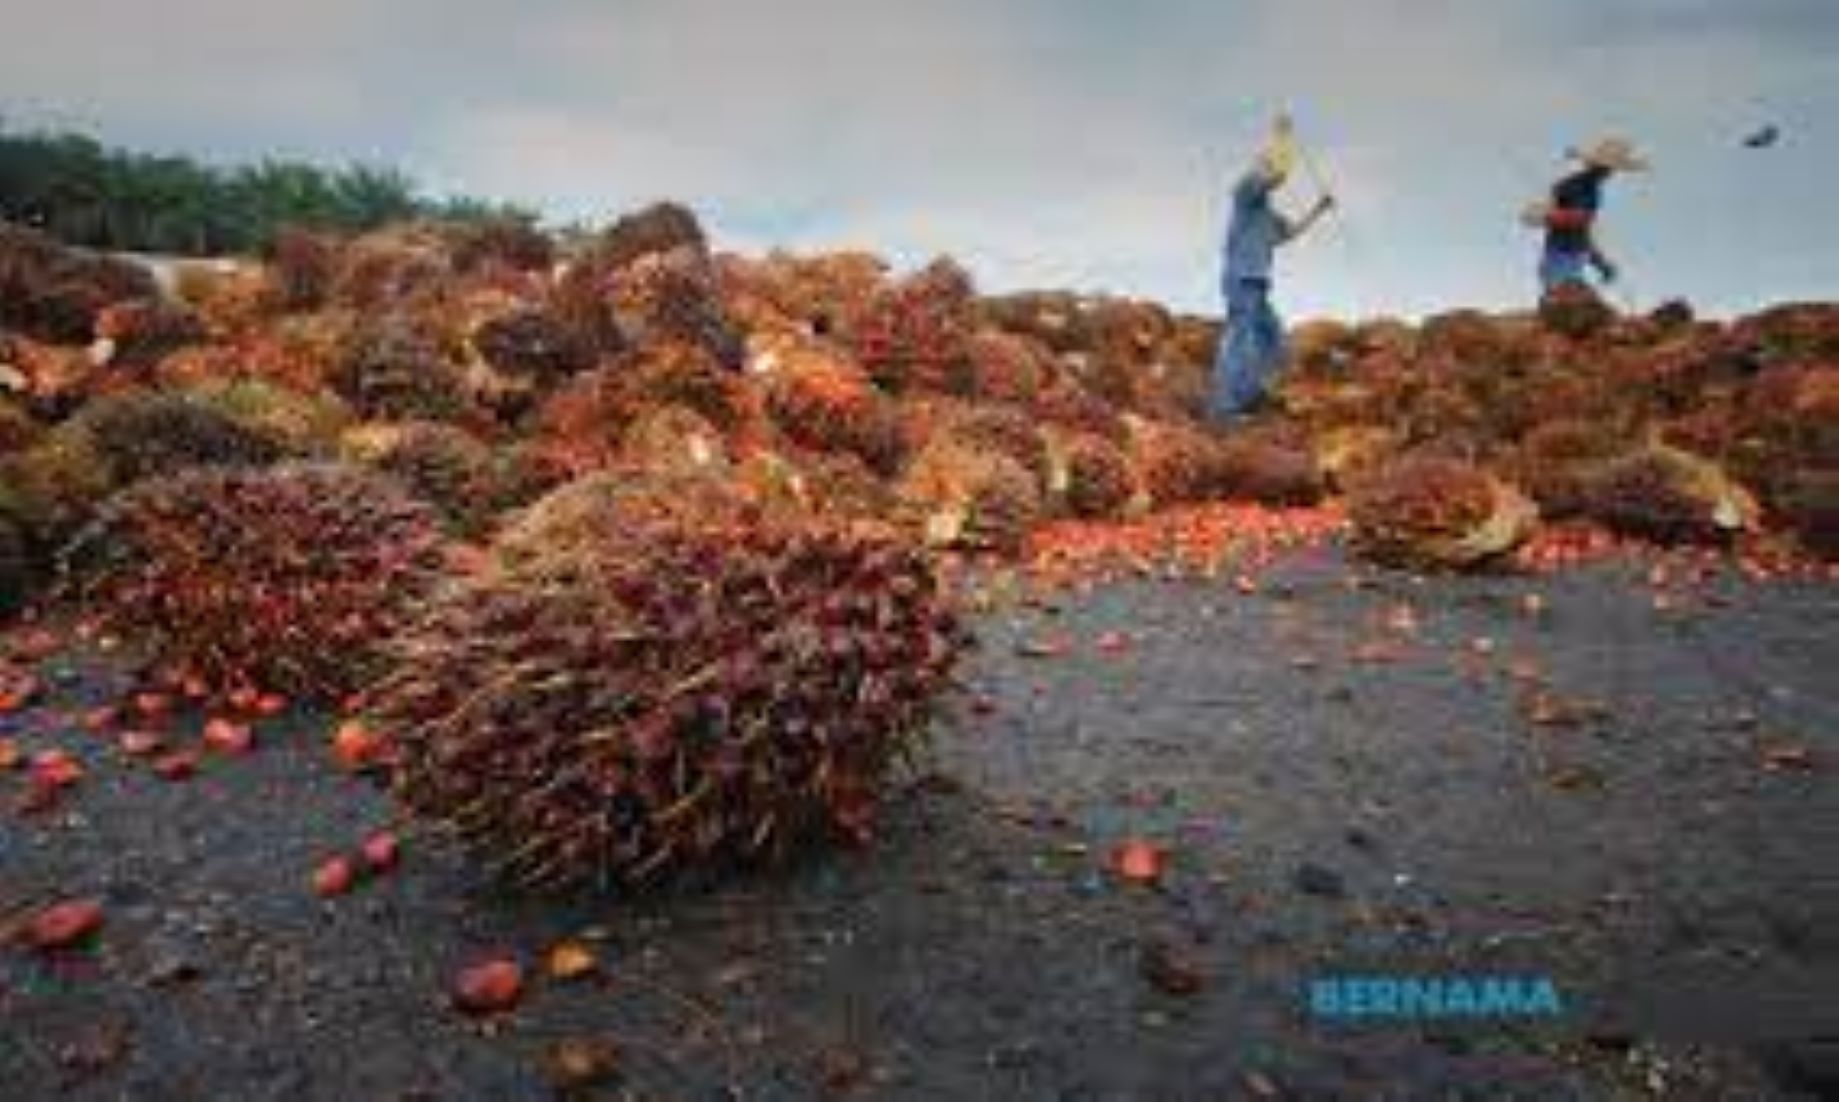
(1254, 233)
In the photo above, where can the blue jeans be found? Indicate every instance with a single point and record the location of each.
(1558, 268)
(1251, 348)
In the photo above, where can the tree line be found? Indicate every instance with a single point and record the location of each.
(84, 193)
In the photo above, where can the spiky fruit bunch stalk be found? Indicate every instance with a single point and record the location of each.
(700, 687)
(286, 578)
(957, 496)
(1669, 496)
(1438, 513)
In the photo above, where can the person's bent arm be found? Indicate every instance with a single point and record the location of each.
(1294, 230)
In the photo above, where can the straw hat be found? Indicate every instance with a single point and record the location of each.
(1616, 154)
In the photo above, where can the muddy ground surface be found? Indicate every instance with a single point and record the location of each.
(1635, 801)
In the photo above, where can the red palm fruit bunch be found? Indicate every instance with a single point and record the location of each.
(53, 293)
(389, 266)
(672, 439)
(499, 243)
(140, 332)
(148, 434)
(1000, 429)
(915, 334)
(1065, 403)
(1574, 310)
(1669, 496)
(1421, 512)
(954, 495)
(1175, 463)
(684, 374)
(1793, 331)
(286, 577)
(1555, 460)
(305, 264)
(392, 367)
(1268, 471)
(704, 687)
(675, 296)
(1088, 475)
(1007, 367)
(530, 344)
(826, 403)
(441, 464)
(659, 228)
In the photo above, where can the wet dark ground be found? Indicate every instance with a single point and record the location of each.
(1603, 792)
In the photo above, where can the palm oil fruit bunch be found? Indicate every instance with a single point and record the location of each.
(1089, 476)
(147, 434)
(532, 345)
(391, 367)
(1425, 512)
(140, 332)
(675, 296)
(1176, 464)
(53, 293)
(1268, 472)
(1669, 496)
(705, 685)
(304, 263)
(957, 496)
(1575, 311)
(915, 334)
(284, 577)
(441, 464)
(832, 407)
(1005, 430)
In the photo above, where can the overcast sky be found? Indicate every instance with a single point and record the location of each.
(1082, 143)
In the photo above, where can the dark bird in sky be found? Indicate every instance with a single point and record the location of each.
(1763, 139)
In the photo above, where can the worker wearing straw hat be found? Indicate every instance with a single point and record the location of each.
(1251, 347)
(1569, 218)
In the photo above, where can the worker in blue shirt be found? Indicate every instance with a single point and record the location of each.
(1569, 217)
(1251, 346)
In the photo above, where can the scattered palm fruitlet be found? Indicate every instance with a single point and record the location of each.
(149, 434)
(1088, 475)
(954, 496)
(1669, 496)
(140, 332)
(390, 368)
(1428, 512)
(705, 684)
(441, 464)
(305, 264)
(915, 334)
(1574, 310)
(827, 403)
(286, 577)
(53, 293)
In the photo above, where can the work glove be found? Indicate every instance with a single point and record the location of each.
(1607, 270)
